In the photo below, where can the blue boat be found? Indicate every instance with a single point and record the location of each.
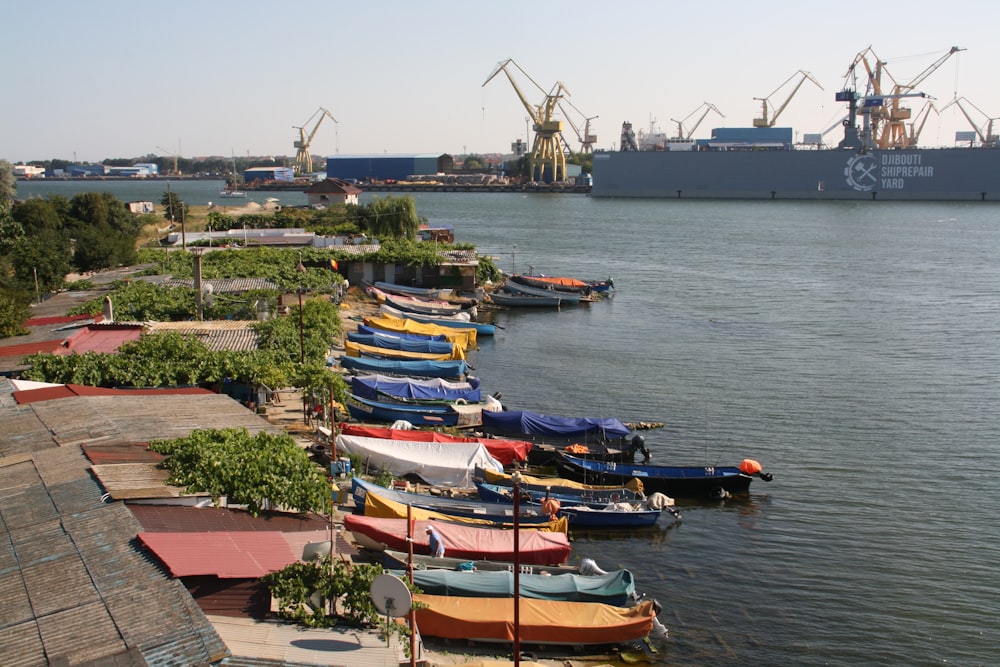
(453, 368)
(481, 328)
(365, 329)
(518, 286)
(414, 390)
(366, 410)
(388, 342)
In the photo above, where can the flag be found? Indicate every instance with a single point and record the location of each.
(333, 264)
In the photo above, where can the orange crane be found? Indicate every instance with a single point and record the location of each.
(547, 158)
(763, 121)
(707, 106)
(303, 159)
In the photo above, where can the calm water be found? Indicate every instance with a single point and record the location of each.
(850, 348)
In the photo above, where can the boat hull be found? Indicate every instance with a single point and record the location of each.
(674, 481)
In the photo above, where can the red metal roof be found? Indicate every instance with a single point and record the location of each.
(178, 519)
(69, 390)
(24, 349)
(237, 555)
(105, 339)
(46, 321)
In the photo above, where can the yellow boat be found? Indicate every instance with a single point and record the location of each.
(466, 337)
(353, 349)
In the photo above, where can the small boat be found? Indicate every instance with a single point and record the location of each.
(514, 285)
(443, 414)
(565, 284)
(388, 341)
(379, 501)
(568, 488)
(414, 390)
(614, 588)
(367, 330)
(229, 192)
(399, 560)
(352, 349)
(481, 328)
(557, 429)
(678, 481)
(406, 290)
(545, 622)
(453, 368)
(438, 464)
(465, 336)
(535, 547)
(509, 300)
(410, 304)
(503, 450)
(582, 514)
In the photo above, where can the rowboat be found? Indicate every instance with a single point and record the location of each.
(516, 286)
(406, 290)
(568, 284)
(465, 336)
(414, 390)
(440, 414)
(481, 328)
(438, 464)
(388, 341)
(352, 349)
(410, 304)
(614, 588)
(365, 329)
(677, 481)
(568, 488)
(539, 621)
(503, 450)
(581, 514)
(452, 368)
(509, 300)
(399, 560)
(535, 547)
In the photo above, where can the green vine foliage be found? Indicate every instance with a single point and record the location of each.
(250, 470)
(347, 583)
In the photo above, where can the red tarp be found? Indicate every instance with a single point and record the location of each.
(539, 621)
(504, 451)
(229, 555)
(461, 541)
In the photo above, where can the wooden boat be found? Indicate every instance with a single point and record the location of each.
(568, 284)
(352, 349)
(406, 290)
(535, 547)
(438, 464)
(481, 328)
(391, 342)
(452, 368)
(568, 488)
(539, 621)
(466, 335)
(365, 329)
(410, 304)
(581, 515)
(503, 450)
(676, 481)
(414, 390)
(514, 285)
(614, 588)
(379, 501)
(509, 300)
(399, 560)
(441, 414)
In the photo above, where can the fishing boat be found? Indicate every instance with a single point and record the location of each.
(352, 349)
(510, 300)
(581, 514)
(614, 588)
(565, 284)
(230, 192)
(452, 368)
(399, 560)
(414, 390)
(545, 622)
(535, 547)
(676, 481)
(503, 450)
(365, 329)
(441, 414)
(566, 488)
(406, 290)
(481, 328)
(436, 463)
(465, 335)
(514, 285)
(391, 342)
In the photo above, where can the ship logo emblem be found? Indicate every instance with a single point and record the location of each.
(862, 172)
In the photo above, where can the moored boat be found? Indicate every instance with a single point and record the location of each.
(406, 290)
(465, 335)
(567, 284)
(436, 463)
(481, 328)
(391, 342)
(441, 414)
(414, 390)
(515, 285)
(452, 368)
(511, 300)
(352, 349)
(503, 450)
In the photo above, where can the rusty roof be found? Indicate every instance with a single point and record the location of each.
(227, 555)
(174, 518)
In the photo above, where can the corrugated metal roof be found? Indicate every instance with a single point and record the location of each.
(227, 555)
(216, 335)
(227, 285)
(138, 452)
(69, 390)
(172, 518)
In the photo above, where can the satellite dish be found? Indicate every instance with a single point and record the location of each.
(391, 596)
(315, 550)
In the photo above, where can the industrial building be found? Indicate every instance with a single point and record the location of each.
(283, 174)
(387, 167)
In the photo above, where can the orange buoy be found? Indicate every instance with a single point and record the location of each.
(750, 467)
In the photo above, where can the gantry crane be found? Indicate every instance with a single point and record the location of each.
(303, 160)
(984, 134)
(587, 139)
(707, 106)
(763, 121)
(547, 155)
(888, 119)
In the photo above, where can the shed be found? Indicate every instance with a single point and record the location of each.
(387, 167)
(332, 191)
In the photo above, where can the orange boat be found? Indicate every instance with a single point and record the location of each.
(540, 621)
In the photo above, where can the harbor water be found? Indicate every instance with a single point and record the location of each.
(851, 348)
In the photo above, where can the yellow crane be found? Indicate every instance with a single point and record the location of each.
(547, 156)
(889, 119)
(303, 159)
(704, 108)
(176, 171)
(985, 133)
(765, 102)
(586, 137)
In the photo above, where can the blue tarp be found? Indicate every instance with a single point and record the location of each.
(533, 423)
(407, 344)
(439, 369)
(365, 329)
(371, 386)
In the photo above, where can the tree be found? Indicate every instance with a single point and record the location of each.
(8, 187)
(174, 208)
(44, 256)
(13, 313)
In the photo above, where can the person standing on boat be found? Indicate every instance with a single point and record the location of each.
(436, 542)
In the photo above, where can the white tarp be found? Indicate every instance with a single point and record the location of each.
(437, 463)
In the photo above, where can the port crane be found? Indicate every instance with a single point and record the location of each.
(765, 102)
(888, 119)
(984, 134)
(587, 138)
(704, 108)
(176, 171)
(547, 159)
(303, 159)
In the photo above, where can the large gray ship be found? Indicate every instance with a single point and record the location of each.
(877, 160)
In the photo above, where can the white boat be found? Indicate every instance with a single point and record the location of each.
(231, 193)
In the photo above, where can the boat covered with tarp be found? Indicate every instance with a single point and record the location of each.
(535, 547)
(615, 588)
(450, 368)
(465, 336)
(450, 464)
(391, 342)
(504, 451)
(561, 429)
(539, 621)
(413, 390)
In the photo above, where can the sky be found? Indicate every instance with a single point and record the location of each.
(125, 78)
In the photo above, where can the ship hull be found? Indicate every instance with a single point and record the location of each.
(942, 174)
